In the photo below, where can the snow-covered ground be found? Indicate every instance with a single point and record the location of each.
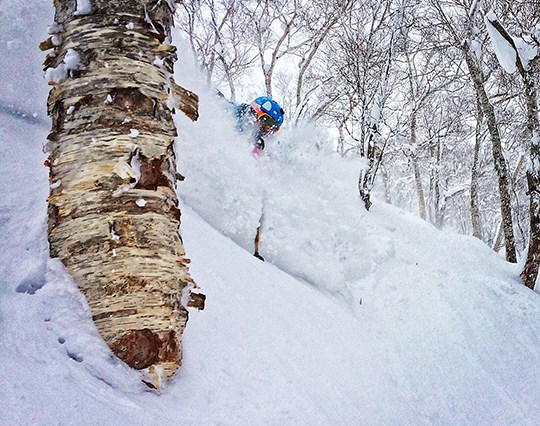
(356, 318)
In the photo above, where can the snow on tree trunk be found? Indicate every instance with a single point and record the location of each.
(371, 155)
(113, 210)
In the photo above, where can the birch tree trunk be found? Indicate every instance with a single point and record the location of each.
(113, 210)
(532, 264)
(416, 169)
(498, 155)
(371, 154)
(475, 176)
(437, 204)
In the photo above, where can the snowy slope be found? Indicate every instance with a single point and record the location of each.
(355, 318)
(267, 349)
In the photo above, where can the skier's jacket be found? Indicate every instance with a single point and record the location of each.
(246, 122)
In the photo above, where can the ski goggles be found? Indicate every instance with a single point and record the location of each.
(265, 122)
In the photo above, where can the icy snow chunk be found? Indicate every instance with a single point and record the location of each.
(141, 202)
(491, 15)
(84, 7)
(55, 40)
(133, 133)
(109, 99)
(70, 110)
(72, 60)
(450, 192)
(130, 26)
(505, 52)
(527, 52)
(56, 75)
(55, 28)
(56, 184)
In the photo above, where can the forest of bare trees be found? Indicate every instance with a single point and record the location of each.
(419, 91)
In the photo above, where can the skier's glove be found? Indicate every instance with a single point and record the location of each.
(260, 143)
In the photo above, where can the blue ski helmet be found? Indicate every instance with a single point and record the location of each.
(265, 104)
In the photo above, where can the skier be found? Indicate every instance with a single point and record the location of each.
(261, 118)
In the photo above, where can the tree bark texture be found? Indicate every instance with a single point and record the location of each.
(113, 210)
(498, 155)
(475, 175)
(366, 177)
(530, 270)
(438, 202)
(416, 169)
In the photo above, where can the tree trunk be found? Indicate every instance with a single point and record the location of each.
(475, 176)
(416, 170)
(529, 75)
(438, 201)
(498, 155)
(371, 154)
(366, 177)
(113, 210)
(530, 269)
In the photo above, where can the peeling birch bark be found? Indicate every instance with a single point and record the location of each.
(113, 210)
(186, 101)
